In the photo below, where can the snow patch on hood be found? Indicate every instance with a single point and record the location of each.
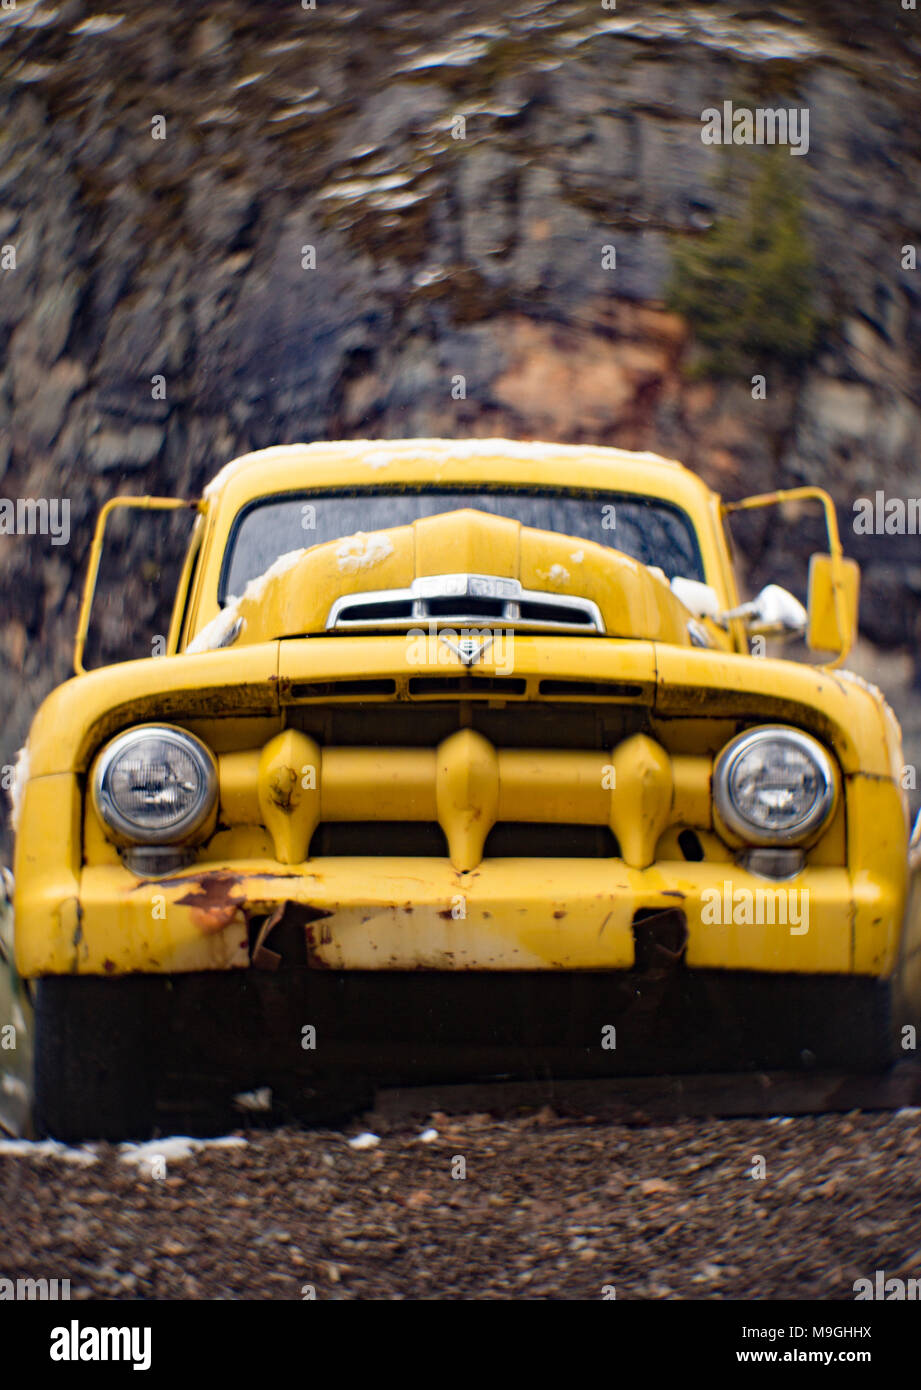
(557, 574)
(257, 587)
(217, 633)
(888, 712)
(361, 552)
(862, 682)
(214, 634)
(18, 786)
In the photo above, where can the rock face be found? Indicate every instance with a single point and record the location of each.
(254, 227)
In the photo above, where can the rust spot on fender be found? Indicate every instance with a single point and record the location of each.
(283, 788)
(316, 936)
(78, 935)
(213, 906)
(314, 961)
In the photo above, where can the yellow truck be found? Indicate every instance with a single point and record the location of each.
(459, 763)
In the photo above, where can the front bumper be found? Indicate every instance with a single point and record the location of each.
(404, 914)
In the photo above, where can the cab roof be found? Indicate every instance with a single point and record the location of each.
(371, 462)
(383, 465)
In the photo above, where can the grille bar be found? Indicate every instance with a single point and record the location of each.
(454, 599)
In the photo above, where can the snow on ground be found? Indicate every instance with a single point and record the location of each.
(258, 1101)
(147, 1157)
(13, 1086)
(46, 1148)
(367, 1140)
(550, 1207)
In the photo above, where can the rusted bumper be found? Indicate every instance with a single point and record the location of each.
(387, 914)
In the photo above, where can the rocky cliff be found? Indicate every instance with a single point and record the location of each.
(265, 223)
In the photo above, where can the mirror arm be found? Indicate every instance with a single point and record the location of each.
(92, 573)
(744, 612)
(814, 494)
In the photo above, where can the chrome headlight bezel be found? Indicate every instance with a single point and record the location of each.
(127, 832)
(748, 831)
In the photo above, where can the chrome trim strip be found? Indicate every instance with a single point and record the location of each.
(463, 586)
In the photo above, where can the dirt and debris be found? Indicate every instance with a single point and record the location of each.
(470, 1206)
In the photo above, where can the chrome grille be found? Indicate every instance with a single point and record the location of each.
(465, 598)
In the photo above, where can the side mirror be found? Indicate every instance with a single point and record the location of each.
(834, 581)
(772, 612)
(834, 589)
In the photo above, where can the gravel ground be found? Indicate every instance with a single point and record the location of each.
(549, 1208)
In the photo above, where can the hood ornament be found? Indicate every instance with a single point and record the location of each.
(468, 650)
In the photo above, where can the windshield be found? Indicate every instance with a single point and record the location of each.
(648, 529)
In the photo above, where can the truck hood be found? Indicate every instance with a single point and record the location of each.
(459, 566)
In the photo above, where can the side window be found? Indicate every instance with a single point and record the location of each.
(142, 561)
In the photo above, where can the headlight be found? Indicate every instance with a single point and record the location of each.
(155, 785)
(774, 785)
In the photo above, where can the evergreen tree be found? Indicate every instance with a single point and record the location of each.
(746, 286)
